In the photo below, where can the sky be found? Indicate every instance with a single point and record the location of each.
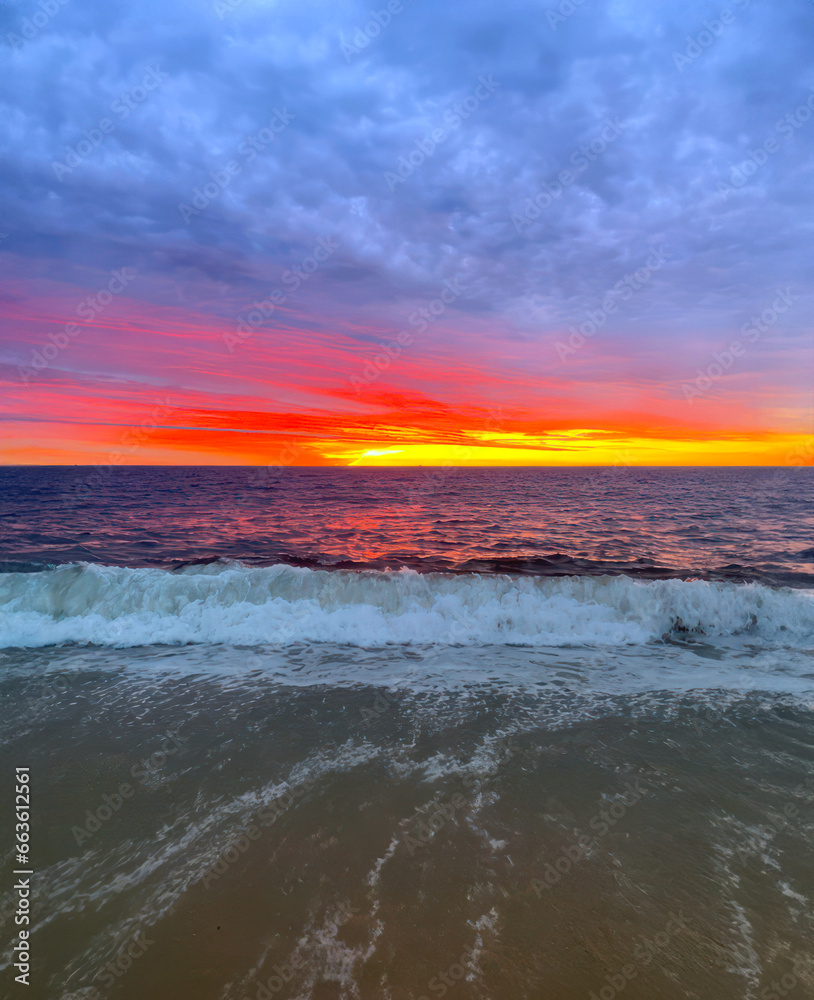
(277, 232)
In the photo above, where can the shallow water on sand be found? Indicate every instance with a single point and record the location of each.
(413, 822)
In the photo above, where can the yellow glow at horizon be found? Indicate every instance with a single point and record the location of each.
(778, 449)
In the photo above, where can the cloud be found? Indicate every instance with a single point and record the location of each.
(229, 73)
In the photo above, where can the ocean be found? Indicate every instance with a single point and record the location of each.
(322, 734)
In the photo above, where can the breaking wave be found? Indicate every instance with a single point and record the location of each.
(231, 603)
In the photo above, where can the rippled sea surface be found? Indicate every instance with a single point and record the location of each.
(738, 523)
(331, 734)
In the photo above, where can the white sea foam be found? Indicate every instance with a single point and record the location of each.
(236, 604)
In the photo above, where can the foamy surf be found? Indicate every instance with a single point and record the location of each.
(230, 603)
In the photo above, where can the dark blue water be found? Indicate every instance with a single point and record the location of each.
(749, 524)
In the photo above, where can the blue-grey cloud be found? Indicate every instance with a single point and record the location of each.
(238, 133)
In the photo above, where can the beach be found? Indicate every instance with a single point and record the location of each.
(339, 733)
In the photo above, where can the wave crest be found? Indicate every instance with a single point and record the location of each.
(235, 604)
